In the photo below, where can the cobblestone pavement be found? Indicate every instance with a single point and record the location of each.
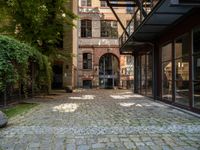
(101, 119)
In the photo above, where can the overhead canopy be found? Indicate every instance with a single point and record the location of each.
(163, 15)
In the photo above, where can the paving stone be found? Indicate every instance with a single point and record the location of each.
(80, 141)
(143, 148)
(98, 145)
(129, 145)
(103, 140)
(71, 147)
(83, 147)
(101, 119)
(114, 139)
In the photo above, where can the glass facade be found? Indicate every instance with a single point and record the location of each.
(181, 70)
(181, 60)
(196, 68)
(144, 72)
(167, 72)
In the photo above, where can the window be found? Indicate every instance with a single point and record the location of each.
(129, 9)
(86, 28)
(130, 26)
(85, 2)
(182, 48)
(167, 72)
(87, 61)
(103, 4)
(196, 68)
(109, 29)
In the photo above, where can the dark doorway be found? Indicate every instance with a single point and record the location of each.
(108, 71)
(87, 84)
(57, 76)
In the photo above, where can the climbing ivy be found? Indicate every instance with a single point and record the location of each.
(15, 58)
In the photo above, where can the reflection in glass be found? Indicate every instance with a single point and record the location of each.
(196, 68)
(182, 69)
(149, 75)
(182, 46)
(182, 81)
(196, 94)
(167, 72)
(196, 41)
(167, 52)
(143, 75)
(182, 92)
(167, 80)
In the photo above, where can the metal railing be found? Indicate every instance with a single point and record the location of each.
(137, 19)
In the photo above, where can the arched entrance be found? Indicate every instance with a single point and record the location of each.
(108, 71)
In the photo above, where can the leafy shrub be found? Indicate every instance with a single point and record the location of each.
(14, 63)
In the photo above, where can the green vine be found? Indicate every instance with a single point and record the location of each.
(15, 58)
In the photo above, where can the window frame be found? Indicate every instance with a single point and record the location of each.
(87, 60)
(86, 28)
(163, 61)
(85, 3)
(106, 32)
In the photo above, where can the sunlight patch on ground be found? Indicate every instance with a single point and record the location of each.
(124, 96)
(126, 93)
(68, 107)
(84, 97)
(126, 104)
(138, 105)
(129, 104)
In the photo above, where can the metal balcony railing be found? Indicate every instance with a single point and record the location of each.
(137, 19)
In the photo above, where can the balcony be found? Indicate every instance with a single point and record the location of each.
(137, 19)
(151, 20)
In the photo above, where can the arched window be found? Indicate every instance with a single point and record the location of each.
(87, 61)
(86, 28)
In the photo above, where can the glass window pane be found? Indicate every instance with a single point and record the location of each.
(86, 28)
(197, 94)
(167, 52)
(196, 67)
(167, 80)
(182, 92)
(167, 70)
(167, 89)
(182, 46)
(182, 68)
(196, 40)
(109, 29)
(149, 75)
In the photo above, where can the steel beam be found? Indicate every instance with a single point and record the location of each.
(115, 14)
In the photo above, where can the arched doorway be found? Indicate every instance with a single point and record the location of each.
(108, 71)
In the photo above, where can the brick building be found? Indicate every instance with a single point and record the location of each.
(98, 58)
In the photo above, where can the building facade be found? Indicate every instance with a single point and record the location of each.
(166, 47)
(65, 68)
(99, 61)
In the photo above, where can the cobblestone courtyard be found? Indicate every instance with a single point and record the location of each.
(101, 119)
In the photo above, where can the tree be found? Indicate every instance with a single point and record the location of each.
(39, 22)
